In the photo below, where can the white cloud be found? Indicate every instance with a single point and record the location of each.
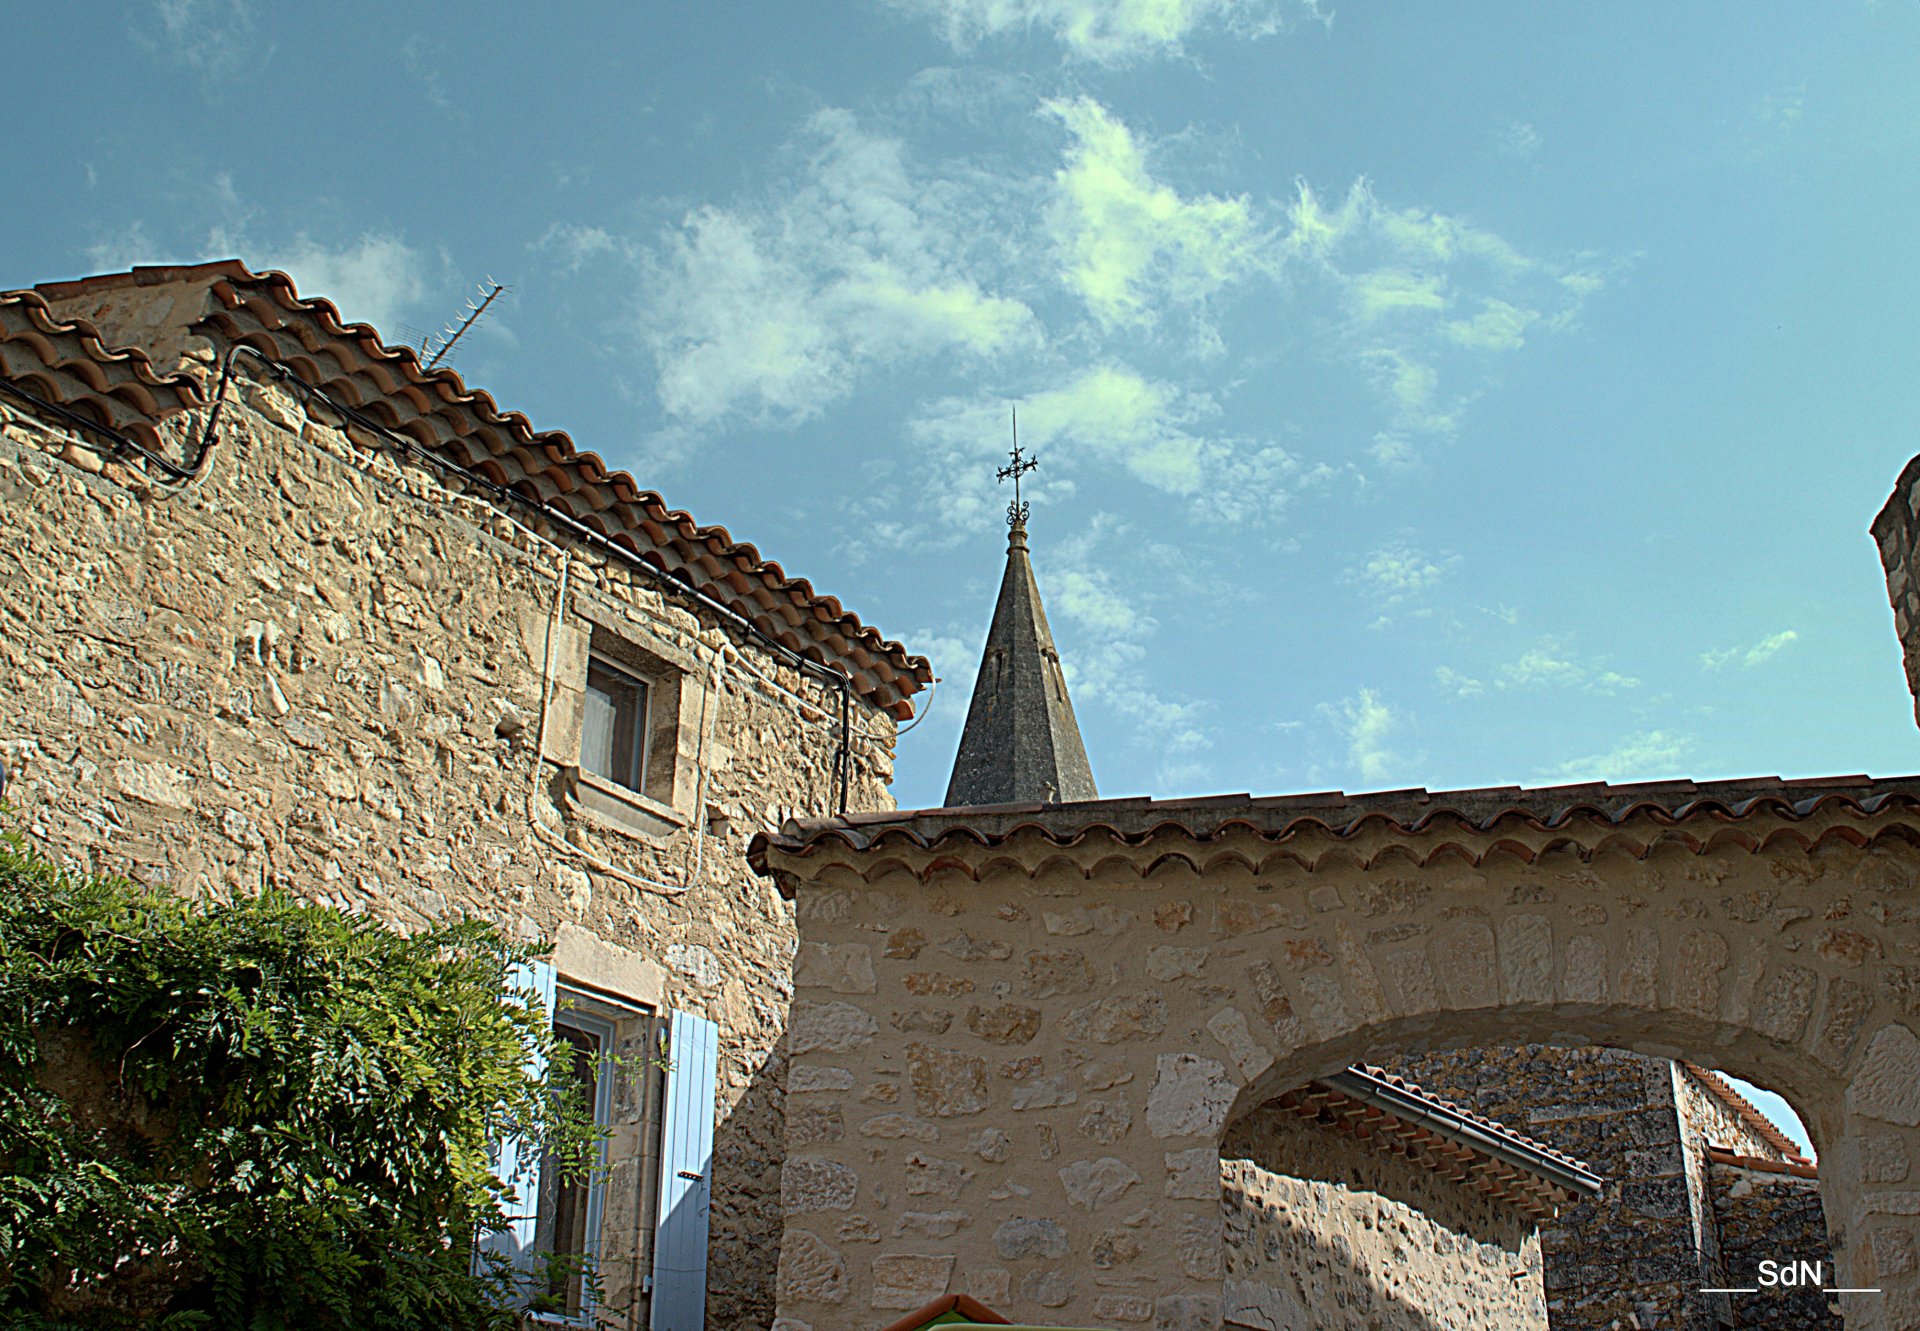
(1111, 415)
(1518, 139)
(374, 277)
(1130, 242)
(1650, 755)
(1103, 31)
(1366, 723)
(1397, 572)
(774, 309)
(216, 39)
(1422, 292)
(1747, 657)
(1546, 665)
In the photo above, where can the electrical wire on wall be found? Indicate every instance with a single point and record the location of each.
(188, 476)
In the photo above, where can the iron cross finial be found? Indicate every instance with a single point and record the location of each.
(1016, 510)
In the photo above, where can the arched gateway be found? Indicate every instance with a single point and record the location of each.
(1020, 1030)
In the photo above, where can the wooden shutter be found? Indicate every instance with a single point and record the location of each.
(686, 1175)
(518, 1163)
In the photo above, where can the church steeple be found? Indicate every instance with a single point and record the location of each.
(1021, 744)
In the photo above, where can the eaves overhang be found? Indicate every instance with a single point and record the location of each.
(1261, 834)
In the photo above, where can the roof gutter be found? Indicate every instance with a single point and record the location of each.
(1384, 1095)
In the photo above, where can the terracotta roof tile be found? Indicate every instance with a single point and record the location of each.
(1747, 1113)
(1469, 823)
(1444, 1137)
(439, 411)
(67, 363)
(1798, 1168)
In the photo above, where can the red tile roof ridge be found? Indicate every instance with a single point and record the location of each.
(89, 340)
(1132, 824)
(818, 610)
(1745, 1110)
(1801, 1168)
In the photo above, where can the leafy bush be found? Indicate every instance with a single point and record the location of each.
(254, 1114)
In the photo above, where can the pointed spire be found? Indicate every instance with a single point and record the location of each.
(1021, 744)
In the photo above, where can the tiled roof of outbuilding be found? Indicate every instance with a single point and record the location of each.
(1469, 824)
(435, 408)
(1443, 1136)
(67, 363)
(1744, 1110)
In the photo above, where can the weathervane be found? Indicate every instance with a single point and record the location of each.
(1016, 510)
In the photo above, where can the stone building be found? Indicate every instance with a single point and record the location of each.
(285, 608)
(1675, 1142)
(1030, 1039)
(1360, 1201)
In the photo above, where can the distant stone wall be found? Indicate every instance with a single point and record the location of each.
(1631, 1252)
(322, 670)
(1324, 1233)
(1766, 1216)
(1897, 531)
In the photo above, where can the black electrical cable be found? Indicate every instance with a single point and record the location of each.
(120, 442)
(843, 757)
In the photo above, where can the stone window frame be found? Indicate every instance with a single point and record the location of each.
(665, 803)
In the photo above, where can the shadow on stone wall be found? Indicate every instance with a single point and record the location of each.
(1317, 1285)
(746, 1219)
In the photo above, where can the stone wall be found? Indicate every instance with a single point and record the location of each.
(1019, 1035)
(1324, 1233)
(322, 670)
(1897, 531)
(1630, 1252)
(1763, 1215)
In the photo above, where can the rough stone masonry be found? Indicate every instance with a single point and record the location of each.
(1021, 1034)
(322, 668)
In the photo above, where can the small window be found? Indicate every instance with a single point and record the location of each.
(613, 730)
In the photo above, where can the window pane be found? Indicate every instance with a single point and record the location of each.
(565, 1196)
(613, 725)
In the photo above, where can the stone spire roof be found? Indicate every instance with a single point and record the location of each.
(1021, 744)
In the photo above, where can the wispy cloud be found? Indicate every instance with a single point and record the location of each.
(1109, 32)
(1548, 664)
(1366, 724)
(1113, 628)
(1428, 297)
(773, 308)
(216, 39)
(1650, 755)
(1745, 658)
(1517, 138)
(1111, 415)
(373, 276)
(1131, 244)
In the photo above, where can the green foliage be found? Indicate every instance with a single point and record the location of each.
(253, 1114)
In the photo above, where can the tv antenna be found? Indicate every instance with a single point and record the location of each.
(442, 343)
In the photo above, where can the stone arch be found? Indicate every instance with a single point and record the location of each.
(1178, 964)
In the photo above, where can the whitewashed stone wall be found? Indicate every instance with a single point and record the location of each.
(320, 670)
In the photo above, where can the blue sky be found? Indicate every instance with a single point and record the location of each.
(1481, 396)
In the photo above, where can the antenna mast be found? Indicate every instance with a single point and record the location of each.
(489, 291)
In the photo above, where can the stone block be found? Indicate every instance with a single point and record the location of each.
(1190, 1096)
(810, 1270)
(946, 1083)
(1030, 1236)
(910, 1280)
(1886, 1083)
(816, 1183)
(1093, 1184)
(843, 968)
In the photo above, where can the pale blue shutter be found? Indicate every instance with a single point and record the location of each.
(686, 1175)
(518, 1162)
